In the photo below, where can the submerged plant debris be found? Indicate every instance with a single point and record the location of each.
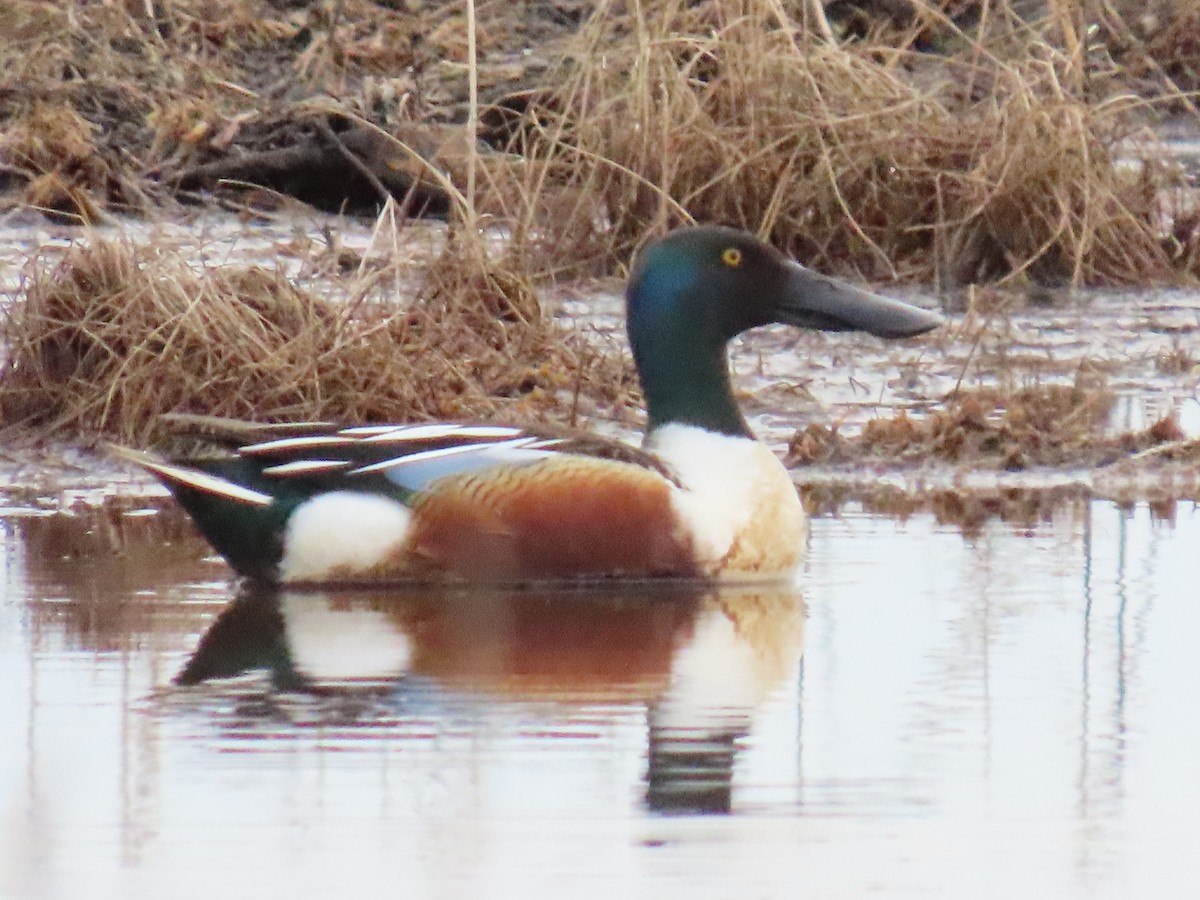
(1040, 426)
(970, 509)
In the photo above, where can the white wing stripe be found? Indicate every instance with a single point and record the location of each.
(358, 431)
(307, 442)
(306, 467)
(202, 481)
(379, 434)
(429, 432)
(414, 432)
(490, 431)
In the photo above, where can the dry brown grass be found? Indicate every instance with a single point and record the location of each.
(992, 159)
(177, 80)
(109, 67)
(861, 156)
(116, 335)
(53, 149)
(1157, 43)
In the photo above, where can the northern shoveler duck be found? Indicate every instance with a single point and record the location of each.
(701, 499)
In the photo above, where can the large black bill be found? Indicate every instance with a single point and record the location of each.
(827, 304)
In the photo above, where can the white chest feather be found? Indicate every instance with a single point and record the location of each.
(738, 500)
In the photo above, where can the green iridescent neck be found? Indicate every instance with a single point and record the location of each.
(680, 351)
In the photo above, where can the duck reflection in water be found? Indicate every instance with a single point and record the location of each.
(699, 659)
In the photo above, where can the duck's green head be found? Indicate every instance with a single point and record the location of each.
(695, 289)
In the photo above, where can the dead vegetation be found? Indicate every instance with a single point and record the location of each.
(167, 86)
(1036, 426)
(959, 141)
(116, 335)
(967, 510)
(972, 510)
(954, 142)
(965, 168)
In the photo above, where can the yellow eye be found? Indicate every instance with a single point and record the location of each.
(732, 257)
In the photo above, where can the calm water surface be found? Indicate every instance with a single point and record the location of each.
(1009, 713)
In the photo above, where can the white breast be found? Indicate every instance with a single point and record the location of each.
(734, 489)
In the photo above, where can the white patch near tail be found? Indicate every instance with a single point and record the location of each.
(341, 534)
